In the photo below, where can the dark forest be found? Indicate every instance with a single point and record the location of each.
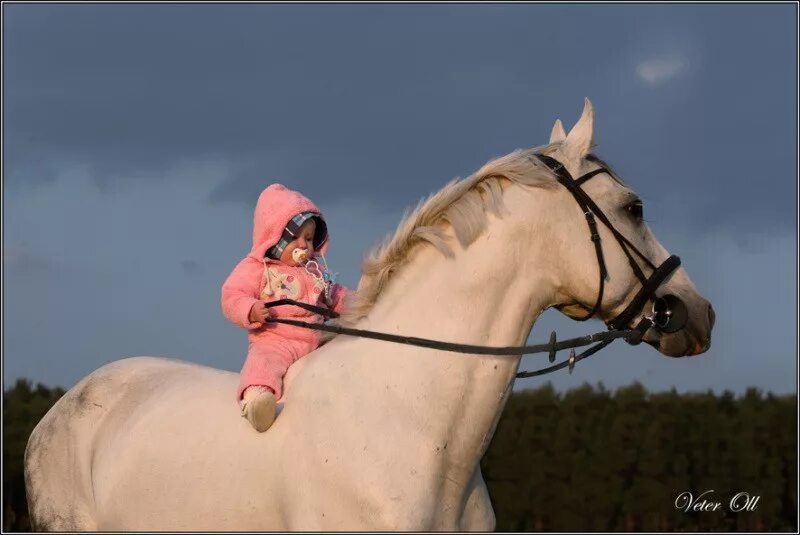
(585, 460)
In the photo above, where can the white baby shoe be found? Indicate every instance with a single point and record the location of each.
(258, 406)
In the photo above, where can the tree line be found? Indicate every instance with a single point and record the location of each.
(592, 460)
(585, 460)
(23, 407)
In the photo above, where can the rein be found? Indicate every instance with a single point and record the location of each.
(551, 347)
(668, 313)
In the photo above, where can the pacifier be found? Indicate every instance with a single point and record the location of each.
(300, 255)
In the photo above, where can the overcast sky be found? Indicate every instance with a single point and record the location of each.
(137, 139)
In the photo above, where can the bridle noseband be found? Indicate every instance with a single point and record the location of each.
(669, 313)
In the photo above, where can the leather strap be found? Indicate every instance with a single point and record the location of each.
(590, 210)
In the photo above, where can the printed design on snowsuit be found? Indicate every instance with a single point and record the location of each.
(319, 289)
(322, 280)
(284, 285)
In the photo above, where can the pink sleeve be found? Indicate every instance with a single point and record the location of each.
(337, 296)
(240, 291)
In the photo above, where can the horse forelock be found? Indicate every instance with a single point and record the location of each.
(462, 205)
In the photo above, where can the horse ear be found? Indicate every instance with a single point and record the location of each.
(558, 133)
(579, 139)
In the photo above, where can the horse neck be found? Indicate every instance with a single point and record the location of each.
(488, 294)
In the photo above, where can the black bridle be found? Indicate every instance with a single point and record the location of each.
(668, 315)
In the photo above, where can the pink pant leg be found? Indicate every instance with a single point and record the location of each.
(267, 361)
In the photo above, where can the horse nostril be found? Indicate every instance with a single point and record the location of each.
(711, 316)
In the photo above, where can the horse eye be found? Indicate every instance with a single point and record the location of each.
(636, 210)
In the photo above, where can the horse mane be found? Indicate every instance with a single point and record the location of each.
(462, 205)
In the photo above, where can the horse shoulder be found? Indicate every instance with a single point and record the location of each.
(347, 468)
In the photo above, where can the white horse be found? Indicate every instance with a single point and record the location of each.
(371, 435)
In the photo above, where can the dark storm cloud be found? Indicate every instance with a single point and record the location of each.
(137, 138)
(389, 102)
(134, 87)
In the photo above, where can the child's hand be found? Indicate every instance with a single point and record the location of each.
(258, 312)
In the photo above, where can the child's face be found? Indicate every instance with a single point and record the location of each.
(303, 240)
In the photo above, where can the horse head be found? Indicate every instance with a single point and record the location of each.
(628, 253)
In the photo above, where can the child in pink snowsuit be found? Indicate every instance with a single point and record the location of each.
(288, 229)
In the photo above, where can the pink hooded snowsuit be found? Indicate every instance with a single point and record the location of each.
(273, 347)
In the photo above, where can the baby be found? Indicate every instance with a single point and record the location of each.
(288, 230)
